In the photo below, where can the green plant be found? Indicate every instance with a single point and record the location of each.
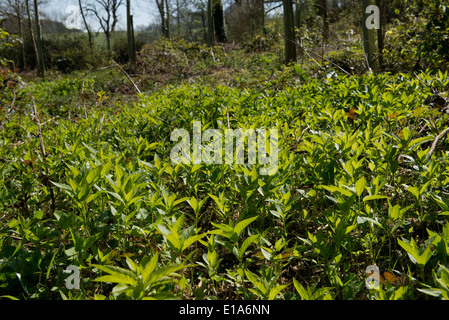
(141, 281)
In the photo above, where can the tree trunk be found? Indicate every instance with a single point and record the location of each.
(22, 37)
(167, 20)
(108, 43)
(30, 27)
(262, 16)
(178, 18)
(298, 24)
(210, 24)
(89, 33)
(161, 7)
(368, 38)
(40, 47)
(129, 31)
(380, 37)
(298, 14)
(325, 21)
(218, 19)
(289, 32)
(203, 24)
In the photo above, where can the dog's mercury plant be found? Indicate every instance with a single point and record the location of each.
(256, 147)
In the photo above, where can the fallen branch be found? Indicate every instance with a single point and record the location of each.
(11, 108)
(101, 123)
(45, 122)
(434, 144)
(127, 75)
(321, 67)
(39, 129)
(302, 134)
(44, 155)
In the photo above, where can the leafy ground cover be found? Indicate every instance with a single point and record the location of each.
(362, 181)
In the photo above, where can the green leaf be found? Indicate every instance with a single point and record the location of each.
(192, 240)
(131, 264)
(116, 275)
(223, 230)
(193, 203)
(374, 197)
(407, 133)
(239, 227)
(275, 291)
(246, 244)
(51, 264)
(361, 219)
(62, 186)
(302, 292)
(257, 282)
(360, 186)
(159, 274)
(9, 297)
(38, 214)
(431, 292)
(414, 191)
(267, 254)
(93, 175)
(148, 268)
(414, 253)
(174, 241)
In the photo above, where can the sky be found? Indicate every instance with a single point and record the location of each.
(144, 12)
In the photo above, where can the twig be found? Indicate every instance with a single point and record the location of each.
(434, 144)
(39, 130)
(227, 116)
(44, 154)
(357, 128)
(302, 134)
(304, 49)
(84, 100)
(367, 62)
(322, 56)
(44, 123)
(274, 8)
(427, 85)
(101, 123)
(13, 100)
(127, 75)
(100, 69)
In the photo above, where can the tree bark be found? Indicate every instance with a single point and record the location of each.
(161, 7)
(218, 19)
(325, 21)
(40, 47)
(129, 30)
(289, 32)
(262, 16)
(89, 33)
(22, 37)
(167, 20)
(178, 18)
(30, 27)
(210, 24)
(298, 24)
(368, 38)
(380, 37)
